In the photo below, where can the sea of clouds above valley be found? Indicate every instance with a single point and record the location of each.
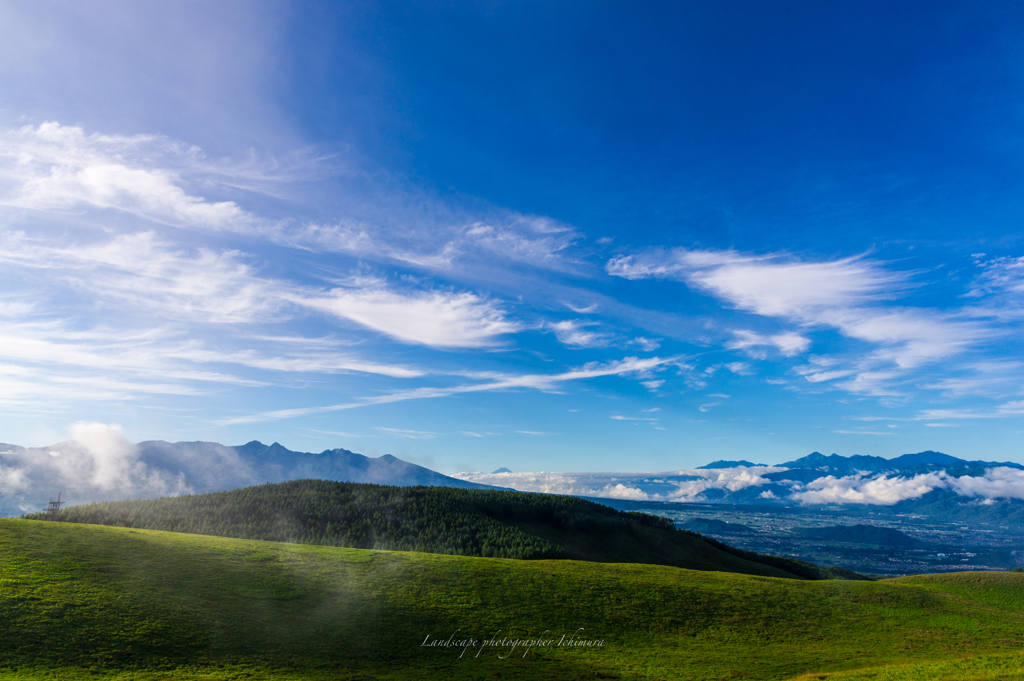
(749, 484)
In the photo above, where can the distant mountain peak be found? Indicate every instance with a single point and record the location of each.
(257, 448)
(729, 464)
(925, 458)
(501, 470)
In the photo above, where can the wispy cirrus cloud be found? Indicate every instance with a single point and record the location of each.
(120, 215)
(535, 240)
(407, 434)
(997, 377)
(454, 238)
(60, 168)
(435, 318)
(52, 365)
(544, 382)
(1001, 280)
(755, 344)
(148, 273)
(574, 334)
(862, 432)
(1007, 409)
(853, 295)
(771, 285)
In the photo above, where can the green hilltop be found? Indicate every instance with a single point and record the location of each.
(464, 522)
(84, 601)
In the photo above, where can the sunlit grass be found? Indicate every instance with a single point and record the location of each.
(77, 601)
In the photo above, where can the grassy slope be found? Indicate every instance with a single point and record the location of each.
(146, 604)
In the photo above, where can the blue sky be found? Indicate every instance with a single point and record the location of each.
(547, 236)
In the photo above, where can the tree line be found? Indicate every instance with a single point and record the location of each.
(432, 519)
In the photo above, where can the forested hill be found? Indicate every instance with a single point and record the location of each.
(438, 520)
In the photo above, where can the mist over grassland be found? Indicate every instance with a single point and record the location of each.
(83, 600)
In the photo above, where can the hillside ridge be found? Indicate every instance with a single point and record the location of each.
(487, 523)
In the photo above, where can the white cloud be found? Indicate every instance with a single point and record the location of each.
(54, 167)
(998, 483)
(620, 491)
(304, 361)
(848, 294)
(856, 489)
(863, 432)
(60, 168)
(448, 244)
(646, 344)
(789, 344)
(1001, 482)
(434, 318)
(770, 285)
(531, 239)
(992, 378)
(145, 272)
(1002, 279)
(1007, 409)
(156, 282)
(150, 307)
(687, 485)
(731, 479)
(691, 485)
(573, 333)
(579, 484)
(51, 363)
(820, 368)
(408, 434)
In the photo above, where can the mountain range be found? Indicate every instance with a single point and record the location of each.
(110, 469)
(103, 466)
(926, 483)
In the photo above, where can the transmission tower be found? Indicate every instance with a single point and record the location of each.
(54, 508)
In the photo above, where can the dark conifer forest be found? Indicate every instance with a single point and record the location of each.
(464, 522)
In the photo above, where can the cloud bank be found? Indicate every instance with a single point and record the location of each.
(681, 485)
(706, 485)
(96, 464)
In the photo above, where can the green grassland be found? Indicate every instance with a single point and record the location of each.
(82, 601)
